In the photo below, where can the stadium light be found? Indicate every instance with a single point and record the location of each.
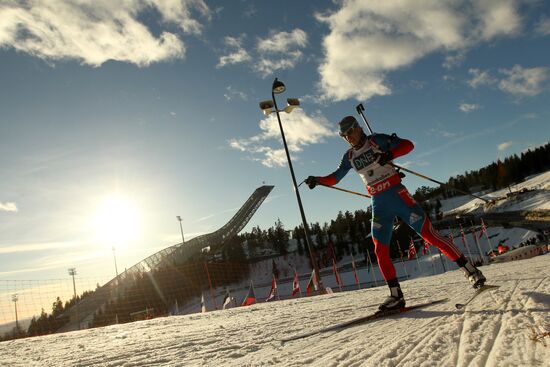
(72, 272)
(181, 229)
(14, 299)
(267, 107)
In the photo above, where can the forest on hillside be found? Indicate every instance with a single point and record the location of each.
(495, 176)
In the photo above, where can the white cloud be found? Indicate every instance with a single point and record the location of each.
(178, 12)
(543, 26)
(202, 219)
(505, 145)
(518, 81)
(480, 77)
(417, 163)
(237, 54)
(441, 133)
(454, 60)
(30, 247)
(250, 11)
(421, 163)
(300, 131)
(368, 39)
(96, 32)
(274, 157)
(8, 207)
(496, 18)
(468, 107)
(280, 51)
(232, 93)
(523, 82)
(282, 42)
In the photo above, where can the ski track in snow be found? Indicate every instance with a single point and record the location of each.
(492, 331)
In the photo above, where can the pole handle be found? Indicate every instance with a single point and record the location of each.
(360, 108)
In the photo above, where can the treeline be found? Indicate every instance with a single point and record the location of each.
(495, 176)
(347, 234)
(159, 291)
(47, 323)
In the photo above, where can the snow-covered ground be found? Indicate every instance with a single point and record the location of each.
(535, 197)
(425, 265)
(495, 330)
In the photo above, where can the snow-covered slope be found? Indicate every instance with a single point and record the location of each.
(532, 194)
(495, 330)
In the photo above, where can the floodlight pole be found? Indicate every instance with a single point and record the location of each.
(296, 191)
(15, 298)
(72, 272)
(181, 229)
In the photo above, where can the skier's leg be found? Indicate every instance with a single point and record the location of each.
(382, 227)
(434, 238)
(424, 228)
(382, 252)
(474, 275)
(396, 298)
(447, 247)
(413, 214)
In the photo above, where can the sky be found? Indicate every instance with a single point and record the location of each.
(116, 118)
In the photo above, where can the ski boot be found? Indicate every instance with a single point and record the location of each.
(394, 301)
(474, 275)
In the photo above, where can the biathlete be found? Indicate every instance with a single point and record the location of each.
(369, 156)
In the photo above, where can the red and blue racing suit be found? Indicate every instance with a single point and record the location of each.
(389, 197)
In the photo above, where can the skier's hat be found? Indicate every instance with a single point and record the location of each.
(346, 124)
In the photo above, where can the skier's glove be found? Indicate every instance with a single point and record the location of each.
(384, 157)
(311, 181)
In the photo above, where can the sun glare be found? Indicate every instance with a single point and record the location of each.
(116, 221)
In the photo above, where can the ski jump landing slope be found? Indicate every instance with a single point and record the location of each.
(494, 330)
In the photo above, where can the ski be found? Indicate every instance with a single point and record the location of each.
(478, 291)
(363, 319)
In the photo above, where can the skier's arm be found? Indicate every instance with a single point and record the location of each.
(400, 147)
(391, 146)
(336, 176)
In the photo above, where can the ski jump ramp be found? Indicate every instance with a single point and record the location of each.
(170, 256)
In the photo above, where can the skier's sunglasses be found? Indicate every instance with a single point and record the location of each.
(348, 131)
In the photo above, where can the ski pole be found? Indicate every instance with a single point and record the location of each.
(360, 108)
(437, 182)
(339, 189)
(344, 190)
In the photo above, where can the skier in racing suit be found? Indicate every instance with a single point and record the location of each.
(369, 156)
